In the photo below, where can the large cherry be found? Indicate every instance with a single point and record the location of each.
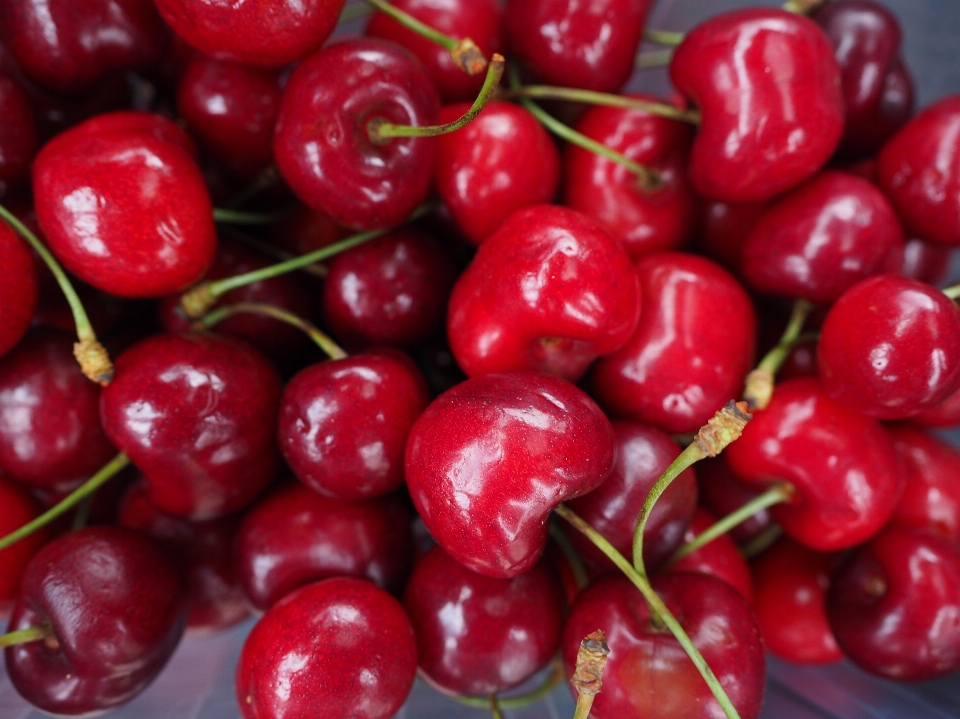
(19, 138)
(17, 508)
(489, 459)
(931, 493)
(18, 288)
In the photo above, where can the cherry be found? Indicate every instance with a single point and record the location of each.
(548, 291)
(501, 162)
(723, 228)
(924, 262)
(116, 606)
(681, 365)
(341, 647)
(17, 508)
(322, 141)
(894, 605)
(196, 414)
(749, 71)
(643, 220)
(890, 347)
(489, 459)
(931, 494)
(19, 138)
(721, 493)
(18, 288)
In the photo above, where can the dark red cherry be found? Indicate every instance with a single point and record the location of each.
(894, 605)
(500, 162)
(17, 508)
(50, 433)
(343, 424)
(488, 461)
(819, 239)
(643, 220)
(549, 291)
(648, 675)
(681, 365)
(575, 44)
(197, 415)
(18, 288)
(19, 138)
(305, 230)
(924, 262)
(749, 71)
(478, 20)
(723, 227)
(643, 453)
(322, 144)
(890, 347)
(504, 632)
(295, 536)
(262, 33)
(931, 493)
(123, 208)
(341, 647)
(117, 606)
(720, 491)
(840, 463)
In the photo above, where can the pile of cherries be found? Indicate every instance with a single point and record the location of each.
(414, 390)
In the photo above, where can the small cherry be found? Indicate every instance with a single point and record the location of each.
(18, 288)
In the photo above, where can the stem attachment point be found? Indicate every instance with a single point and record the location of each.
(94, 361)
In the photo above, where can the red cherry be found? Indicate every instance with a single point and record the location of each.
(18, 288)
(19, 138)
(352, 646)
(17, 508)
(749, 71)
(924, 262)
(931, 494)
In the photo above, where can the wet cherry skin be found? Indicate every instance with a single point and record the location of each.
(294, 536)
(890, 347)
(18, 288)
(196, 414)
(507, 629)
(322, 145)
(17, 508)
(490, 458)
(748, 70)
(341, 647)
(117, 604)
(931, 493)
(548, 291)
(19, 137)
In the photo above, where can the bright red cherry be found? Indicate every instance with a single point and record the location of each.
(17, 508)
(768, 87)
(19, 138)
(931, 493)
(18, 288)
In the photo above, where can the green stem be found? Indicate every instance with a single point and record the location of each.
(777, 494)
(802, 7)
(236, 217)
(552, 680)
(953, 292)
(570, 554)
(663, 37)
(270, 250)
(30, 634)
(584, 705)
(494, 705)
(758, 387)
(763, 540)
(330, 348)
(657, 607)
(550, 92)
(656, 58)
(71, 500)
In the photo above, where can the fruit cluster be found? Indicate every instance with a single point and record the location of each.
(533, 290)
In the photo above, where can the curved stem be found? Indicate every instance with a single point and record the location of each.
(552, 680)
(30, 634)
(663, 37)
(91, 355)
(380, 131)
(657, 607)
(332, 350)
(606, 99)
(758, 387)
(71, 500)
(236, 217)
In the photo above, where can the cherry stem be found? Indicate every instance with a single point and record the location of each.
(953, 292)
(570, 554)
(71, 500)
(550, 92)
(552, 680)
(648, 178)
(90, 354)
(23, 636)
(722, 429)
(494, 705)
(588, 671)
(236, 217)
(758, 387)
(655, 58)
(380, 130)
(330, 348)
(777, 494)
(663, 37)
(464, 53)
(658, 609)
(353, 12)
(762, 541)
(802, 7)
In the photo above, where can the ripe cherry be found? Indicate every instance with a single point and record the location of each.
(18, 288)
(931, 494)
(17, 508)
(19, 138)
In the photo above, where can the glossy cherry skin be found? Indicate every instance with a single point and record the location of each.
(931, 493)
(681, 365)
(643, 220)
(124, 208)
(478, 20)
(19, 138)
(344, 424)
(392, 290)
(721, 493)
(839, 462)
(893, 605)
(919, 169)
(69, 46)
(295, 536)
(488, 461)
(17, 508)
(117, 605)
(341, 647)
(322, 144)
(549, 291)
(790, 590)
(643, 453)
(262, 33)
(890, 347)
(877, 89)
(819, 239)
(648, 675)
(749, 71)
(197, 415)
(502, 161)
(50, 433)
(18, 288)
(575, 44)
(506, 629)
